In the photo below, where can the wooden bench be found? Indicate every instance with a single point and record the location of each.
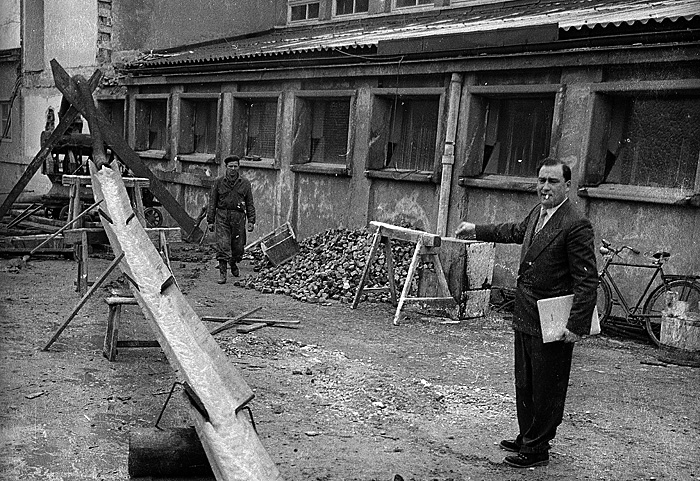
(112, 342)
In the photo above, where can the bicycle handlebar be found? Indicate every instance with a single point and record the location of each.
(608, 248)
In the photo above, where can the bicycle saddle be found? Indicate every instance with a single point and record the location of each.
(661, 254)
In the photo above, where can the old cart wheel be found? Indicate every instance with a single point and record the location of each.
(153, 217)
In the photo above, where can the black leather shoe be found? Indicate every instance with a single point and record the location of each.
(234, 270)
(527, 460)
(509, 445)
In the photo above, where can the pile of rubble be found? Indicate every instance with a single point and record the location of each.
(329, 267)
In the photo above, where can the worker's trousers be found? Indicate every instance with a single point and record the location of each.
(230, 235)
(541, 380)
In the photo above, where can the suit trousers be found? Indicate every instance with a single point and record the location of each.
(230, 235)
(541, 380)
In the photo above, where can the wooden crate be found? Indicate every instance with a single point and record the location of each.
(280, 245)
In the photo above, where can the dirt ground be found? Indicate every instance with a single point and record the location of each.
(347, 396)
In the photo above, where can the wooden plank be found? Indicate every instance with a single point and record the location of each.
(250, 327)
(64, 124)
(249, 320)
(229, 440)
(410, 235)
(114, 139)
(233, 321)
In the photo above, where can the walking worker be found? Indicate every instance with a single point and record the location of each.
(230, 204)
(557, 258)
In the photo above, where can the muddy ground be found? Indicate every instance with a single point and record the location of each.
(347, 396)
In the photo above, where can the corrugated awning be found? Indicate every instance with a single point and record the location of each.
(368, 32)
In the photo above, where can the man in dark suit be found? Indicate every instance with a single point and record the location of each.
(557, 258)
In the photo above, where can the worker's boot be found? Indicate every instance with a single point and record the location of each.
(234, 270)
(222, 272)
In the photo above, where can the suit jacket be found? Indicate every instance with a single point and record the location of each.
(558, 260)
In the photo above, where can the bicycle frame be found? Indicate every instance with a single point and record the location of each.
(634, 311)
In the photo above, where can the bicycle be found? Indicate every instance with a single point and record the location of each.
(687, 287)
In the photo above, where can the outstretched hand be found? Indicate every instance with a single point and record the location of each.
(465, 230)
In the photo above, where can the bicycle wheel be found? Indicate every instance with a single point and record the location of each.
(687, 291)
(604, 302)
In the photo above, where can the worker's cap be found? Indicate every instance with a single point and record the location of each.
(232, 158)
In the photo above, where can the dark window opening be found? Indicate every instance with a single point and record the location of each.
(306, 11)
(412, 134)
(261, 129)
(151, 123)
(412, 3)
(653, 142)
(518, 132)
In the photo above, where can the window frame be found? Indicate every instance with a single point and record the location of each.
(186, 101)
(151, 153)
(377, 149)
(306, 3)
(240, 122)
(394, 6)
(592, 182)
(354, 14)
(7, 121)
(480, 95)
(330, 168)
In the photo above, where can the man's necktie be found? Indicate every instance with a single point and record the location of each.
(540, 221)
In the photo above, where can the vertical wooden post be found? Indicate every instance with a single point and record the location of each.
(389, 256)
(409, 277)
(83, 261)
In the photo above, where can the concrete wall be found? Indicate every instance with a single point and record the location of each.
(164, 24)
(9, 24)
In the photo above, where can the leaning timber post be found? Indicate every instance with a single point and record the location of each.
(121, 148)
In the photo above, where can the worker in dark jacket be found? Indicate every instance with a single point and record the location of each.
(557, 258)
(230, 204)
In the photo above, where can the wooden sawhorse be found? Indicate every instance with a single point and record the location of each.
(112, 342)
(427, 248)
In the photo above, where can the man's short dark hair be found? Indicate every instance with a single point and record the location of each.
(566, 170)
(232, 158)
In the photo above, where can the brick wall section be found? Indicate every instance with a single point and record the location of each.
(104, 32)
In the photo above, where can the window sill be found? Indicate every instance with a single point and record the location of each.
(152, 154)
(401, 175)
(197, 158)
(259, 163)
(500, 182)
(639, 193)
(322, 168)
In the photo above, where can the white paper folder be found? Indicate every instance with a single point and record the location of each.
(554, 315)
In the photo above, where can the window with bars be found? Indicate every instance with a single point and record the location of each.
(5, 131)
(260, 128)
(413, 3)
(404, 133)
(151, 124)
(198, 125)
(348, 7)
(322, 130)
(647, 140)
(518, 132)
(299, 12)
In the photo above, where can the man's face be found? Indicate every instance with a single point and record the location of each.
(232, 168)
(552, 189)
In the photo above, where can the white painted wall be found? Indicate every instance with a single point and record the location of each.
(9, 24)
(70, 34)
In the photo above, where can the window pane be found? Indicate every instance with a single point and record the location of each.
(524, 128)
(661, 143)
(361, 6)
(413, 132)
(5, 132)
(312, 11)
(343, 7)
(330, 121)
(298, 12)
(262, 129)
(405, 3)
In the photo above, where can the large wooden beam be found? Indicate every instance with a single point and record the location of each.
(231, 444)
(63, 125)
(121, 148)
